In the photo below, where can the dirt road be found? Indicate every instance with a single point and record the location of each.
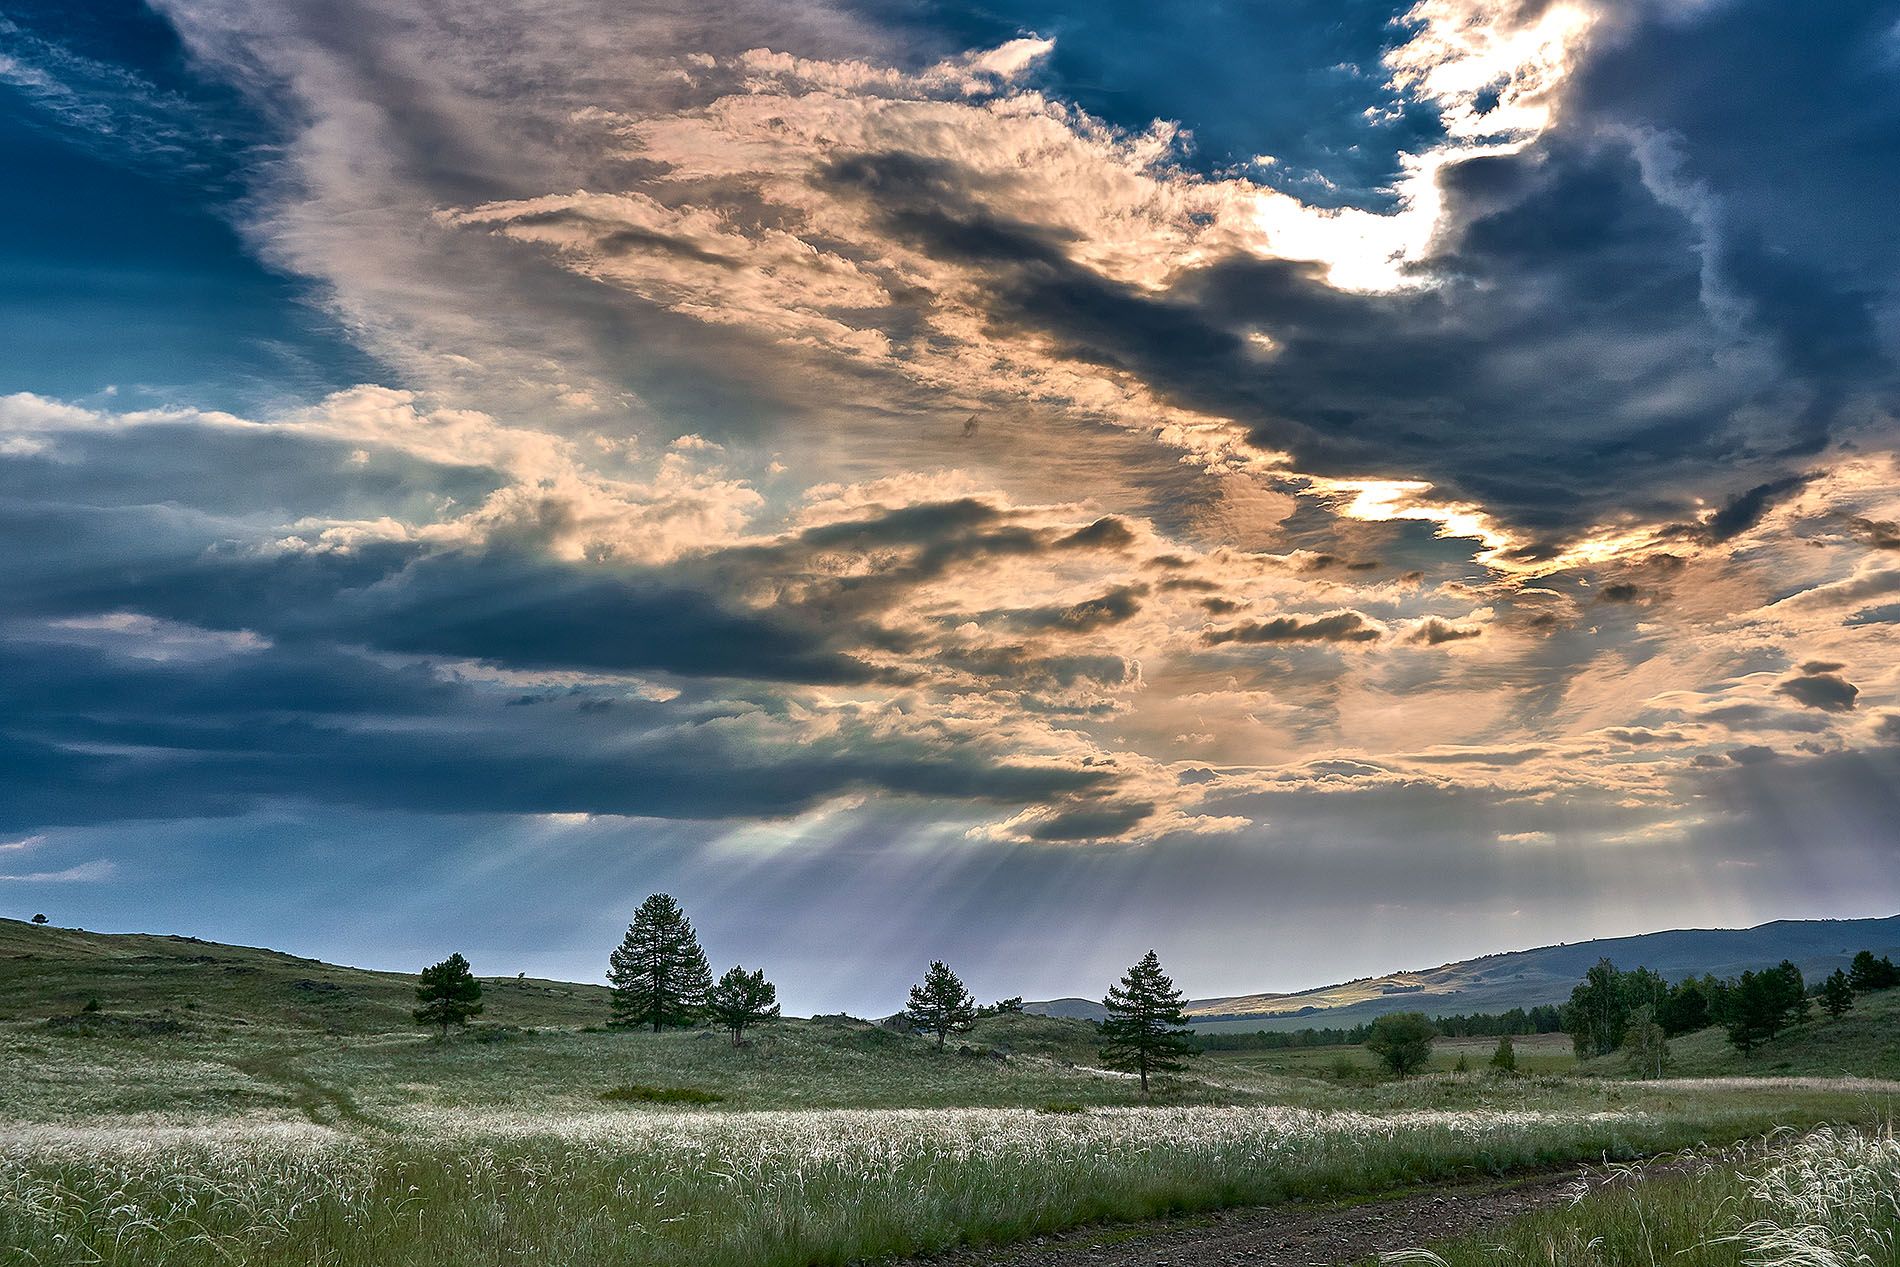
(1290, 1235)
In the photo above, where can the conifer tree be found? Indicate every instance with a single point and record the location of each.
(1837, 994)
(1143, 1031)
(1504, 1059)
(1868, 974)
(1762, 1004)
(740, 999)
(448, 994)
(658, 972)
(941, 1005)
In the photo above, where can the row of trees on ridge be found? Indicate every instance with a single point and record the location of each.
(661, 979)
(1638, 1011)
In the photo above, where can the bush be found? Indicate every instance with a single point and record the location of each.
(499, 1033)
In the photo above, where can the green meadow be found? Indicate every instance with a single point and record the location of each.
(175, 1103)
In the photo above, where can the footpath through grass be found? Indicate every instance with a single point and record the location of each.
(1829, 1199)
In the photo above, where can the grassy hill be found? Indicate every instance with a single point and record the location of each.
(1864, 1043)
(1527, 978)
(47, 972)
(193, 1029)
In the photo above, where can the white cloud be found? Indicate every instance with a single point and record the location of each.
(84, 873)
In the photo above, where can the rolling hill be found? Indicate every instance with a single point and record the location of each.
(47, 971)
(1527, 978)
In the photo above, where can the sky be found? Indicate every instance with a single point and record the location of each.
(1312, 488)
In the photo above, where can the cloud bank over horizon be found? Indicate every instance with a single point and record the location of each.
(1357, 469)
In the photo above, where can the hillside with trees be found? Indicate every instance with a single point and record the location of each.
(1529, 979)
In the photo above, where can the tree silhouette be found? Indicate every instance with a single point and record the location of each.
(448, 994)
(1143, 1031)
(658, 972)
(941, 1005)
(740, 999)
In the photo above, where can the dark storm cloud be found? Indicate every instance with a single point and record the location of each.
(126, 521)
(289, 671)
(1092, 822)
(91, 738)
(1828, 691)
(1435, 632)
(525, 611)
(1112, 608)
(1746, 510)
(1336, 627)
(1881, 534)
(1601, 334)
(499, 606)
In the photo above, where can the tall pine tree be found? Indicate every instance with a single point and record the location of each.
(941, 1005)
(1143, 1031)
(659, 973)
(448, 994)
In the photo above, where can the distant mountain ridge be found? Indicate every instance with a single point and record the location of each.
(1528, 978)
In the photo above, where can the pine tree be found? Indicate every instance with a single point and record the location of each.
(740, 999)
(1142, 1033)
(1504, 1059)
(448, 994)
(1868, 974)
(658, 972)
(1762, 1004)
(941, 1005)
(1837, 994)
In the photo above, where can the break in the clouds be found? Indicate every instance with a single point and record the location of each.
(1348, 449)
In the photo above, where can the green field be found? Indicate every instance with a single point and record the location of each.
(1536, 1054)
(225, 1105)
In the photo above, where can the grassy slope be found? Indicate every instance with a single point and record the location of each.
(1536, 1054)
(198, 1031)
(1864, 1043)
(47, 971)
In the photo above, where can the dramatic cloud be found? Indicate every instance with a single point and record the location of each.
(937, 448)
(1823, 690)
(1345, 626)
